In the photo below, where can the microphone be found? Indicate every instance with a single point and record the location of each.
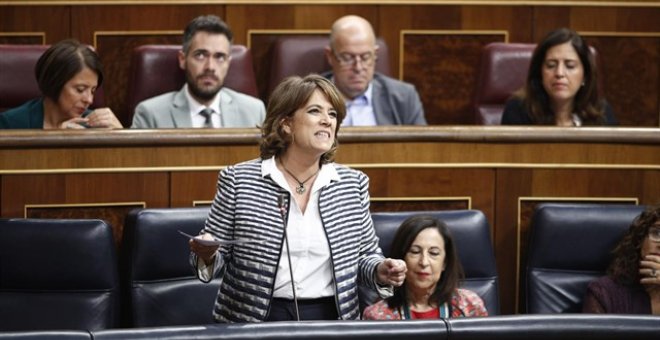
(281, 203)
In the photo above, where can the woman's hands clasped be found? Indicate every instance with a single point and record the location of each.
(99, 118)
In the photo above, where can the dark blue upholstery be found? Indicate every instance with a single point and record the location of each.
(161, 288)
(570, 245)
(510, 327)
(50, 335)
(57, 274)
(564, 327)
(471, 233)
(284, 330)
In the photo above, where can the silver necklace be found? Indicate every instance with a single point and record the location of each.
(300, 189)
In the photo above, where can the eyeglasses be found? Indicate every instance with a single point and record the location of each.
(347, 59)
(654, 234)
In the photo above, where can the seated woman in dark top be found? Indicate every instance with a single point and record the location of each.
(68, 74)
(561, 87)
(632, 284)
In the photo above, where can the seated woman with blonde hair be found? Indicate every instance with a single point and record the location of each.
(430, 290)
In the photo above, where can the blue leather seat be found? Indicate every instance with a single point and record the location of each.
(160, 286)
(50, 335)
(569, 246)
(552, 327)
(287, 330)
(471, 232)
(57, 275)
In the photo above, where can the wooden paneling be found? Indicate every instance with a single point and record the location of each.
(189, 187)
(53, 22)
(442, 66)
(629, 70)
(106, 196)
(502, 171)
(113, 213)
(420, 204)
(115, 50)
(23, 38)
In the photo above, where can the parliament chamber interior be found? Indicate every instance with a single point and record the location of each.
(535, 210)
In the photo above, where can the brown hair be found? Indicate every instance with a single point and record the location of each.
(453, 273)
(290, 95)
(63, 61)
(588, 103)
(205, 23)
(624, 268)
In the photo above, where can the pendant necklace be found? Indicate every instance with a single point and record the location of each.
(300, 189)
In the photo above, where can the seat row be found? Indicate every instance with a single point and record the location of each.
(155, 70)
(565, 327)
(66, 274)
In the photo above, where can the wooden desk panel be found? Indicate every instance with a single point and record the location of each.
(502, 171)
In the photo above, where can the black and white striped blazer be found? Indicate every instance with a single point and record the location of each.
(246, 207)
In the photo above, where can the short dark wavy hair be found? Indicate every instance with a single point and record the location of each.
(289, 96)
(63, 61)
(624, 268)
(205, 23)
(451, 276)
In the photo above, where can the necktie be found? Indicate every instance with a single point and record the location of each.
(207, 112)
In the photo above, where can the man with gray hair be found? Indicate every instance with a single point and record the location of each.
(371, 98)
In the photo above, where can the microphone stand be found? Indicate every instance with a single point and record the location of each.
(281, 201)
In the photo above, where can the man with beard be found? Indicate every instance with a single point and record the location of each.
(203, 102)
(371, 98)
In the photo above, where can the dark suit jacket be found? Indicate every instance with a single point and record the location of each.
(394, 102)
(27, 116)
(515, 114)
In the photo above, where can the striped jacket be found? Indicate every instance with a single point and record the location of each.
(246, 207)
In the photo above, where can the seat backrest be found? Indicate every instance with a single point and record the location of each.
(160, 286)
(57, 275)
(471, 232)
(50, 335)
(155, 70)
(291, 330)
(569, 246)
(565, 327)
(503, 71)
(18, 83)
(304, 54)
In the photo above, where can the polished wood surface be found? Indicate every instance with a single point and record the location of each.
(434, 45)
(502, 171)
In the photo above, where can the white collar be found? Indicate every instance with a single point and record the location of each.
(196, 106)
(367, 95)
(327, 174)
